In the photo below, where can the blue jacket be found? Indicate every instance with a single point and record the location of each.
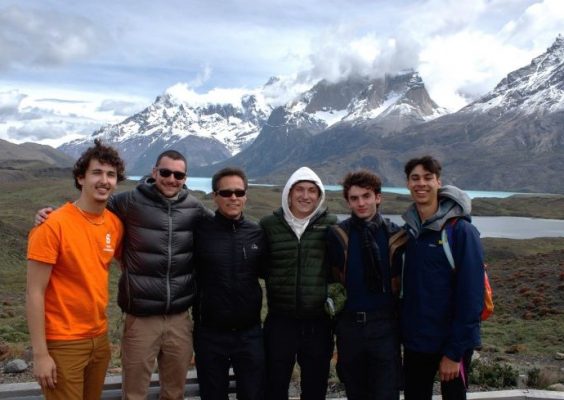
(440, 307)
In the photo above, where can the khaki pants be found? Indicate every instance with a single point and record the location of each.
(81, 368)
(166, 339)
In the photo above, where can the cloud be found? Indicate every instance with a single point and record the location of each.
(33, 37)
(50, 129)
(10, 104)
(120, 107)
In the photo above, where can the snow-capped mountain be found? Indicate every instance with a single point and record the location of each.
(511, 138)
(212, 128)
(206, 132)
(331, 117)
(537, 87)
(394, 101)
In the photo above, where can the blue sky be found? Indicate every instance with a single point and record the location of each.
(69, 67)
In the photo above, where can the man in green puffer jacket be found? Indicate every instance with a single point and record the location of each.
(297, 326)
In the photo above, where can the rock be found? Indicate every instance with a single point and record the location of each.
(559, 356)
(557, 387)
(15, 366)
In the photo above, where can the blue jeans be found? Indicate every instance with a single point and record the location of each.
(369, 361)
(217, 350)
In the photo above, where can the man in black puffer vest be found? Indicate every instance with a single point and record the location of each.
(229, 255)
(157, 284)
(297, 326)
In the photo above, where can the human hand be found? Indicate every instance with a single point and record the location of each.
(45, 371)
(448, 369)
(42, 215)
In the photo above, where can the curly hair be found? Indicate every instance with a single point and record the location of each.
(364, 179)
(102, 153)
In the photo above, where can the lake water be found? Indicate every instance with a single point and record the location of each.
(501, 227)
(511, 227)
(204, 184)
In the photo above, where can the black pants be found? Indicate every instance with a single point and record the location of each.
(420, 370)
(369, 361)
(310, 342)
(217, 350)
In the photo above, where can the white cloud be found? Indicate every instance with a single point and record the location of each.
(10, 104)
(115, 57)
(46, 38)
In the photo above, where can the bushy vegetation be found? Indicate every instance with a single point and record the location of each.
(493, 374)
(527, 276)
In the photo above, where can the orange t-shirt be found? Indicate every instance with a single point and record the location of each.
(80, 249)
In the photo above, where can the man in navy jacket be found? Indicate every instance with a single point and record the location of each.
(441, 305)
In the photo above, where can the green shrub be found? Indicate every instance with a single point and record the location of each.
(493, 375)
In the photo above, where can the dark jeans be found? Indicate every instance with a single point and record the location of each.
(310, 341)
(217, 350)
(420, 370)
(369, 361)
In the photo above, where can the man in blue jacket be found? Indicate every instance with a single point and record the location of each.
(441, 305)
(367, 329)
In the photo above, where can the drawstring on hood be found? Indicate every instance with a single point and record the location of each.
(299, 225)
(453, 203)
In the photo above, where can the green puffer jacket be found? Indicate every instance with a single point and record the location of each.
(296, 276)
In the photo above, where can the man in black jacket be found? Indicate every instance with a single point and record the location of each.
(229, 253)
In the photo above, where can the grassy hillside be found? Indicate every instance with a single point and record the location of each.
(527, 275)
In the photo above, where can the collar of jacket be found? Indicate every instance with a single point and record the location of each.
(320, 213)
(229, 222)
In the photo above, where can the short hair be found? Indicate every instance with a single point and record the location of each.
(102, 153)
(364, 179)
(173, 154)
(228, 171)
(427, 162)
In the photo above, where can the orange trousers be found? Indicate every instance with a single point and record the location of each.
(81, 368)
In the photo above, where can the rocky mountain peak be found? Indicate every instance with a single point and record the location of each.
(537, 88)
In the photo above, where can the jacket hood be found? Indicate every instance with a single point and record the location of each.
(453, 203)
(301, 174)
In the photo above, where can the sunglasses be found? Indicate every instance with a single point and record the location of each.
(229, 193)
(165, 173)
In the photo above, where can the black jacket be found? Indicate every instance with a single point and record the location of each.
(157, 270)
(229, 256)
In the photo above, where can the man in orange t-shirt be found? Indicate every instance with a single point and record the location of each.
(67, 282)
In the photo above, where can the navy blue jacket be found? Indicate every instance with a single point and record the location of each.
(440, 306)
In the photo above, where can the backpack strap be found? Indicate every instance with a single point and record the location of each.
(446, 233)
(344, 239)
(395, 243)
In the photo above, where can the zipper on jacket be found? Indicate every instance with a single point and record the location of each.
(169, 260)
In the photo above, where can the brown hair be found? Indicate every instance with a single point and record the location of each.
(364, 179)
(427, 162)
(102, 153)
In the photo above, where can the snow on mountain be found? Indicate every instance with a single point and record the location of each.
(537, 87)
(213, 126)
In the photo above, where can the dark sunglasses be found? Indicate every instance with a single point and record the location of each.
(165, 173)
(229, 193)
